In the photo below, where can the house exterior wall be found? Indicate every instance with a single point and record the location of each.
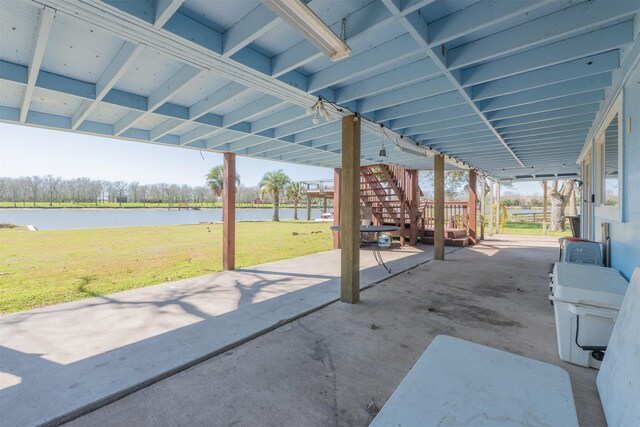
(625, 221)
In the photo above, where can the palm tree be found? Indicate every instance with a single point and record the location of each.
(215, 181)
(294, 193)
(274, 183)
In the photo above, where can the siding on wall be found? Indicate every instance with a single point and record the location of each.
(625, 229)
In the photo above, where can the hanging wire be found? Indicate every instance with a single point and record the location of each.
(321, 101)
(343, 29)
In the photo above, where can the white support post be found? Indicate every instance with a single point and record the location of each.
(491, 208)
(482, 206)
(498, 207)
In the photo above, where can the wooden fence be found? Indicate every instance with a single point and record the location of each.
(528, 217)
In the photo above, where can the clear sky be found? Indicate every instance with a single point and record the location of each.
(28, 151)
(31, 151)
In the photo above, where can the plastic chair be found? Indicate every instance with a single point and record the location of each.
(582, 252)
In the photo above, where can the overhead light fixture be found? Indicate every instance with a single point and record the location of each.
(318, 109)
(303, 20)
(383, 151)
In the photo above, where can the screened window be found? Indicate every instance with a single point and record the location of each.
(610, 162)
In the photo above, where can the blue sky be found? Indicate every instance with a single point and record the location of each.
(32, 151)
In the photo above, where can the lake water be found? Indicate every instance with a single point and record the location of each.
(60, 219)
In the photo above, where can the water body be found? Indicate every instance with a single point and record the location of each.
(62, 219)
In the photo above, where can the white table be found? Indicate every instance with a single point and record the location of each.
(374, 245)
(460, 383)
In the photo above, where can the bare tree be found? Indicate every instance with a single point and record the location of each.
(144, 189)
(119, 187)
(34, 182)
(85, 190)
(17, 185)
(95, 191)
(4, 187)
(51, 186)
(133, 190)
(559, 199)
(200, 193)
(186, 193)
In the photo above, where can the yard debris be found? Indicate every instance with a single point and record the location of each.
(316, 232)
(372, 408)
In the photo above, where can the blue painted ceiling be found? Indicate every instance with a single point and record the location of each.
(511, 88)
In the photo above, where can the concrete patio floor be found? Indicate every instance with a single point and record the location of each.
(326, 368)
(68, 358)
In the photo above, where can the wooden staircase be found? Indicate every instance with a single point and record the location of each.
(381, 191)
(452, 237)
(456, 217)
(393, 195)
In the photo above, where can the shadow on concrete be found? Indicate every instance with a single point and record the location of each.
(63, 376)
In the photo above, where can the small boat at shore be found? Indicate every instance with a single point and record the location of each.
(326, 217)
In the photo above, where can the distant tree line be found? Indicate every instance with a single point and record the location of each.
(29, 190)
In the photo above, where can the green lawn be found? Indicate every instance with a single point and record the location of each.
(301, 206)
(48, 267)
(531, 229)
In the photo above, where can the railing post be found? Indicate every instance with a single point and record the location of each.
(403, 220)
(438, 229)
(336, 207)
(415, 200)
(473, 235)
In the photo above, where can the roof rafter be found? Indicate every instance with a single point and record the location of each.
(45, 22)
(585, 98)
(577, 68)
(193, 43)
(126, 56)
(479, 16)
(555, 90)
(164, 11)
(418, 29)
(592, 43)
(406, 75)
(161, 95)
(547, 29)
(545, 116)
(253, 25)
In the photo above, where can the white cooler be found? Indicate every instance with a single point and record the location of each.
(586, 301)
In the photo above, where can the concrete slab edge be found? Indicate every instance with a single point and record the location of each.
(185, 366)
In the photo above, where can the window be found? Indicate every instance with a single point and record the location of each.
(610, 161)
